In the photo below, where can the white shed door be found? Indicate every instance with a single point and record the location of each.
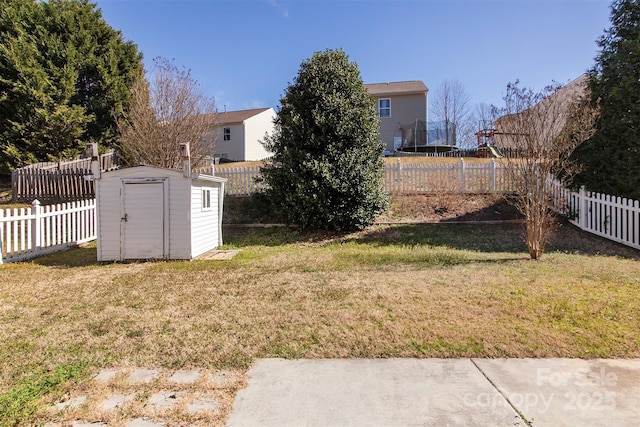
(143, 220)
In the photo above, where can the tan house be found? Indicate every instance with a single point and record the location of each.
(542, 122)
(402, 107)
(239, 134)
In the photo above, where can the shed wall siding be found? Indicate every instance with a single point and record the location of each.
(108, 201)
(192, 231)
(204, 223)
(110, 209)
(179, 218)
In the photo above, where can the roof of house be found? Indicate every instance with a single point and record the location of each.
(396, 88)
(239, 116)
(574, 89)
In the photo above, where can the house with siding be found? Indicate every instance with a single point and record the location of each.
(239, 134)
(402, 108)
(549, 117)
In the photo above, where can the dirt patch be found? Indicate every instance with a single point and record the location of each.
(448, 207)
(444, 207)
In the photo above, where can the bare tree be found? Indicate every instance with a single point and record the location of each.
(545, 128)
(450, 105)
(166, 111)
(483, 116)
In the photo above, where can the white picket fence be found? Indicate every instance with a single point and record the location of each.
(400, 178)
(456, 177)
(29, 232)
(614, 218)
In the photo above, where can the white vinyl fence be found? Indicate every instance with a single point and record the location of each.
(457, 177)
(614, 218)
(400, 178)
(29, 232)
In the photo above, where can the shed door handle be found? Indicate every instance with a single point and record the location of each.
(124, 218)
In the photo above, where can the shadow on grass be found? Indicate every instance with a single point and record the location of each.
(276, 236)
(489, 238)
(501, 210)
(570, 239)
(80, 256)
(472, 237)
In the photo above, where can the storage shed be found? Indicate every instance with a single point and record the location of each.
(147, 212)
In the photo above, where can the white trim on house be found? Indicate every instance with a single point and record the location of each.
(386, 108)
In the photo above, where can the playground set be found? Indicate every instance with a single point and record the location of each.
(486, 143)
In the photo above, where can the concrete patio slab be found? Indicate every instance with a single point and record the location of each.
(73, 403)
(567, 392)
(83, 424)
(143, 375)
(117, 400)
(106, 375)
(164, 399)
(143, 422)
(202, 405)
(359, 392)
(184, 377)
(218, 255)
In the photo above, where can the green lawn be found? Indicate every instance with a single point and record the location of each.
(392, 291)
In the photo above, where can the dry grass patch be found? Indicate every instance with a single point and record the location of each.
(391, 291)
(443, 206)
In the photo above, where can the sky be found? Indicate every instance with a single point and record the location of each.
(244, 53)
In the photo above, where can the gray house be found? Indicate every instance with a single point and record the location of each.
(402, 107)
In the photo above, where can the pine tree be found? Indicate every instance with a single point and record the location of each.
(611, 158)
(327, 169)
(64, 79)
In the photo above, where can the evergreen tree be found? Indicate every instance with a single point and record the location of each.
(611, 158)
(327, 169)
(64, 79)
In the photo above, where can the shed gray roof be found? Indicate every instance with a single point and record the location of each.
(396, 88)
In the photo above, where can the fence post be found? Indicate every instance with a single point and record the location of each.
(493, 176)
(583, 209)
(14, 185)
(399, 176)
(1, 235)
(36, 228)
(462, 176)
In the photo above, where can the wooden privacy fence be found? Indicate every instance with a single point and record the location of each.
(51, 185)
(52, 182)
(241, 181)
(401, 178)
(29, 232)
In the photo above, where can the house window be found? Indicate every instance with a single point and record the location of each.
(384, 107)
(206, 199)
(226, 134)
